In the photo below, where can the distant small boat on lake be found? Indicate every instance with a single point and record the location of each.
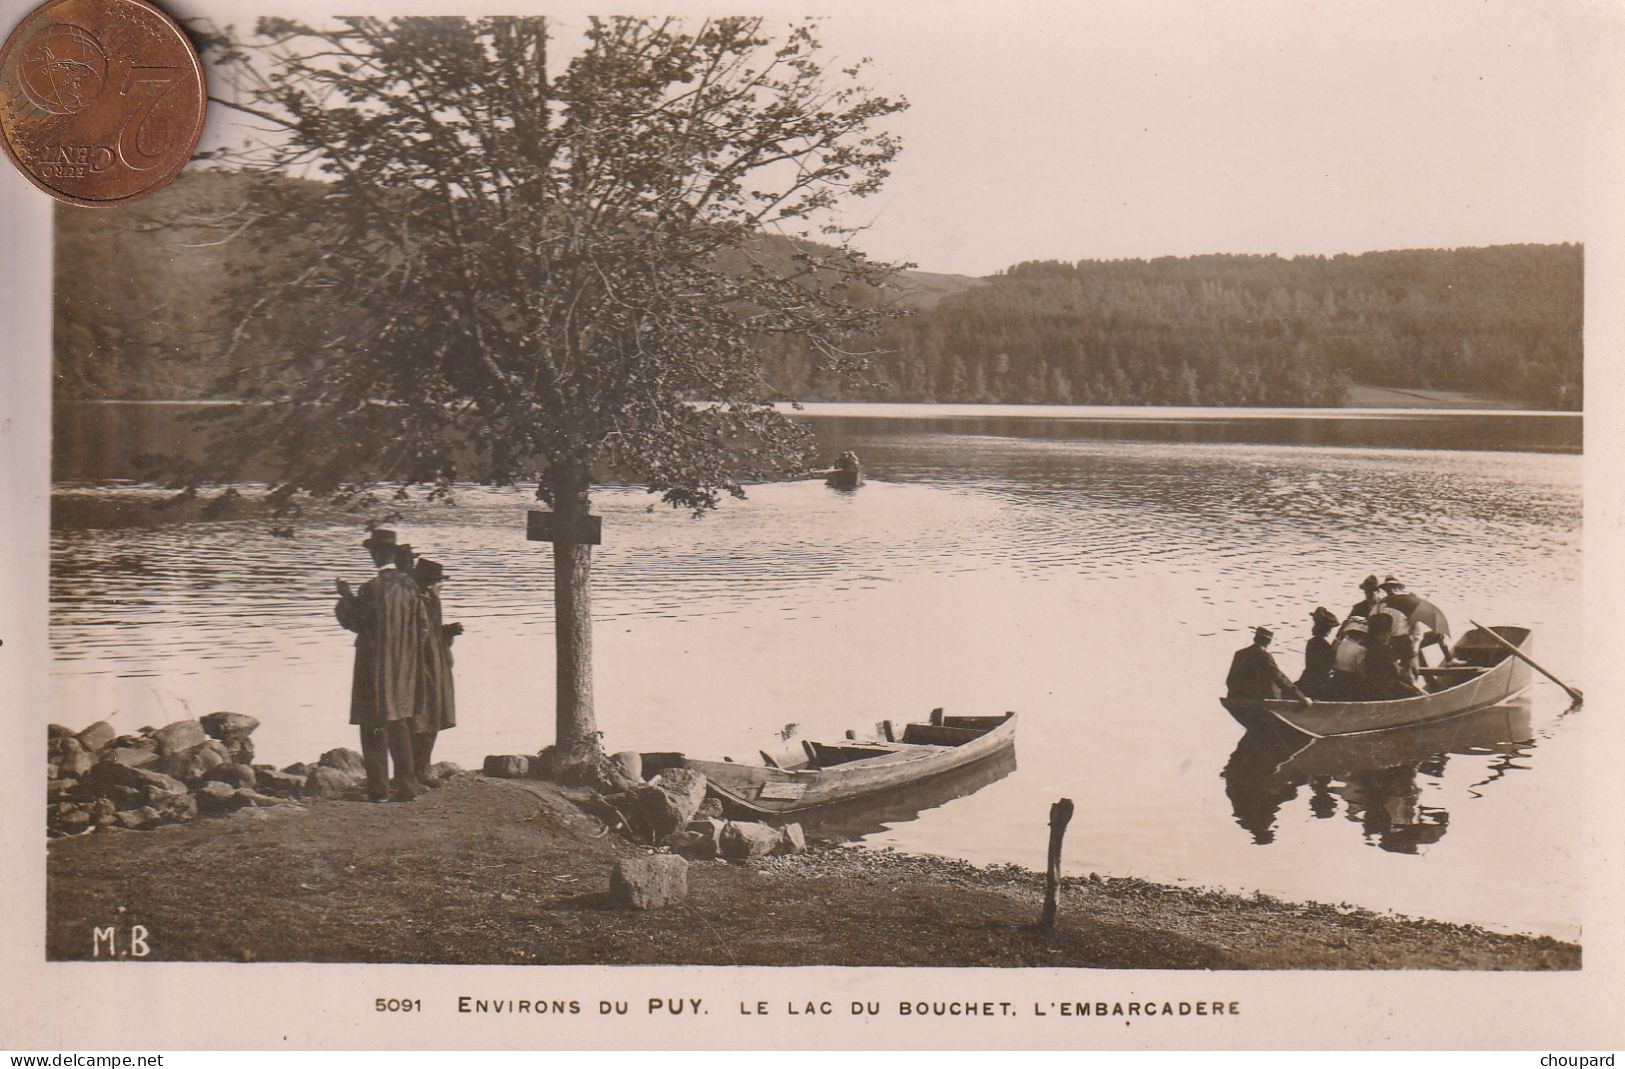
(829, 774)
(1481, 672)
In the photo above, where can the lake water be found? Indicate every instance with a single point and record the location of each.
(1091, 569)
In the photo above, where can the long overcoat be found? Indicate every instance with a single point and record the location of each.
(389, 619)
(437, 704)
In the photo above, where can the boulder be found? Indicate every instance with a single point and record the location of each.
(710, 809)
(125, 797)
(283, 784)
(670, 800)
(178, 737)
(233, 775)
(345, 760)
(649, 882)
(97, 735)
(140, 819)
(250, 797)
(190, 765)
(629, 763)
(76, 765)
(110, 773)
(239, 751)
(224, 725)
(130, 756)
(792, 840)
(135, 742)
(299, 768)
(217, 797)
(57, 731)
(444, 770)
(700, 838)
(325, 781)
(174, 808)
(60, 790)
(102, 812)
(741, 840)
(66, 818)
(507, 766)
(59, 747)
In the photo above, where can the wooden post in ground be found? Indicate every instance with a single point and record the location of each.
(1060, 814)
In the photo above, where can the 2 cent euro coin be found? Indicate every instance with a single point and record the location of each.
(101, 101)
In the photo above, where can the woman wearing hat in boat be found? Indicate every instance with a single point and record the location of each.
(1318, 656)
(1348, 658)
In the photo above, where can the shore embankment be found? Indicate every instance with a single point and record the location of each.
(514, 872)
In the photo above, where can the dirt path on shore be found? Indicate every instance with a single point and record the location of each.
(484, 871)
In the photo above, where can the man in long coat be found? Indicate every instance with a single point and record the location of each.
(389, 619)
(1254, 673)
(437, 701)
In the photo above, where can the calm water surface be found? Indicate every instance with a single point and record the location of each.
(1091, 570)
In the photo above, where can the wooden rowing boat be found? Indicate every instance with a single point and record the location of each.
(831, 774)
(1480, 673)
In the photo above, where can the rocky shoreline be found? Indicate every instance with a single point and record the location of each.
(487, 870)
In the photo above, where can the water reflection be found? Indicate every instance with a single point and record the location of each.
(1377, 781)
(876, 812)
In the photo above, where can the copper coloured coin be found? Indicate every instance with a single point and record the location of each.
(101, 101)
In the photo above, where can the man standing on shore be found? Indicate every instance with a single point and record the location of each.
(437, 703)
(390, 621)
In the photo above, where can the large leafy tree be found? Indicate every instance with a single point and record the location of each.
(568, 277)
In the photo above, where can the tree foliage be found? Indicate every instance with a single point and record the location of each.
(503, 273)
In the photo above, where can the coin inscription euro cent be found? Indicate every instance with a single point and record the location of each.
(101, 101)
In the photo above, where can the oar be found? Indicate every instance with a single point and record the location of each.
(1573, 692)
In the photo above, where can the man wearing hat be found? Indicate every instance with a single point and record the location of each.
(1254, 673)
(1318, 656)
(389, 619)
(437, 704)
(1367, 605)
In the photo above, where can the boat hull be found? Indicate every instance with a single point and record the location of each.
(758, 791)
(1507, 678)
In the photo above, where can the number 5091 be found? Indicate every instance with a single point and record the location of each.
(400, 1005)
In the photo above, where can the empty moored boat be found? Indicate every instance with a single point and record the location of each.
(827, 774)
(1480, 673)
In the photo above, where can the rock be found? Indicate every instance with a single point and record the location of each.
(135, 742)
(299, 768)
(507, 766)
(110, 773)
(76, 765)
(250, 797)
(325, 781)
(710, 809)
(130, 756)
(177, 737)
(102, 812)
(629, 763)
(282, 784)
(97, 735)
(67, 818)
(175, 808)
(263, 768)
(649, 882)
(57, 731)
(670, 800)
(140, 819)
(60, 747)
(60, 790)
(52, 770)
(445, 769)
(239, 751)
(700, 838)
(233, 775)
(740, 840)
(126, 797)
(345, 760)
(215, 796)
(792, 840)
(224, 725)
(190, 765)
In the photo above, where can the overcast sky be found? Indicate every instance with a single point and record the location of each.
(1134, 128)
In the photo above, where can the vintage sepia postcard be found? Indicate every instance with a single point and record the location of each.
(905, 525)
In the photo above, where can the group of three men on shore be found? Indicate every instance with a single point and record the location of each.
(401, 695)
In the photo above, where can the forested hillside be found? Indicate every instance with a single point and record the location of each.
(152, 298)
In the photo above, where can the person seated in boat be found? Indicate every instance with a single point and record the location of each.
(1348, 655)
(1382, 675)
(1435, 628)
(1318, 655)
(1255, 675)
(1370, 602)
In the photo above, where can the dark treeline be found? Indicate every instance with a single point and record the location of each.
(1241, 330)
(167, 301)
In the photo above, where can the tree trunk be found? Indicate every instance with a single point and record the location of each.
(576, 725)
